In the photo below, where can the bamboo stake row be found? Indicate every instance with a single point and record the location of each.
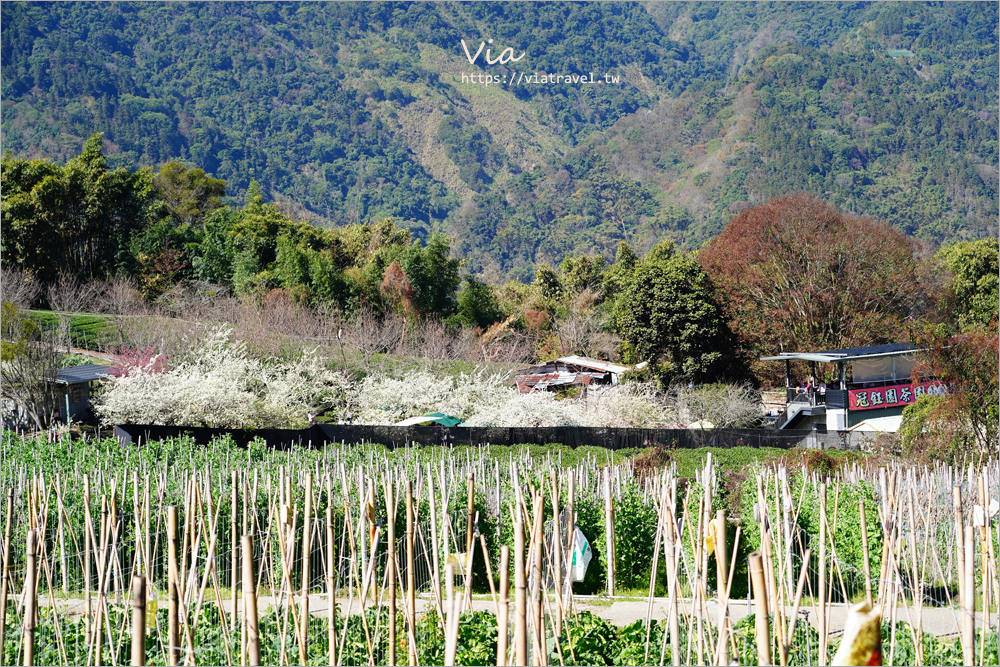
(291, 521)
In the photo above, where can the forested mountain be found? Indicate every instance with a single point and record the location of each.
(351, 112)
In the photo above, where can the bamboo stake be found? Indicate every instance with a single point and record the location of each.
(821, 613)
(63, 559)
(520, 594)
(489, 568)
(798, 598)
(675, 590)
(609, 532)
(959, 543)
(916, 596)
(652, 574)
(451, 636)
(763, 631)
(722, 583)
(864, 547)
(287, 525)
(411, 574)
(101, 582)
(436, 569)
(31, 601)
(331, 575)
(138, 620)
(6, 565)
(537, 538)
(554, 559)
(306, 553)
(233, 553)
(250, 602)
(467, 594)
(390, 567)
(245, 526)
(503, 618)
(969, 600)
(570, 528)
(146, 542)
(470, 509)
(87, 546)
(187, 541)
(173, 633)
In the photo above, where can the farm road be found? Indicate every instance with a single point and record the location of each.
(935, 620)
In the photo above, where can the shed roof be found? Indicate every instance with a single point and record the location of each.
(81, 374)
(594, 363)
(581, 362)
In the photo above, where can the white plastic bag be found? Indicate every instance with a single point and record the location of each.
(582, 553)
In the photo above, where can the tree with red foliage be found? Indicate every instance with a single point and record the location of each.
(968, 417)
(795, 274)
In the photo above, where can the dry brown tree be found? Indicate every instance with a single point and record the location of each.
(724, 405)
(369, 334)
(18, 288)
(67, 297)
(397, 288)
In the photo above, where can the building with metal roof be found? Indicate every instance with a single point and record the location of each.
(568, 371)
(858, 384)
(77, 382)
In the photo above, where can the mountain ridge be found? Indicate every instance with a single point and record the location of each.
(349, 112)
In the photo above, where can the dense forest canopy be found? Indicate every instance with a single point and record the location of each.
(349, 113)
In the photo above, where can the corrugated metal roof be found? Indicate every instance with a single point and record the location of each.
(540, 381)
(587, 362)
(81, 374)
(558, 365)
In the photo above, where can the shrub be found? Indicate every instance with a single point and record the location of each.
(586, 639)
(635, 532)
(842, 513)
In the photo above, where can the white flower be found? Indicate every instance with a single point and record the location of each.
(220, 385)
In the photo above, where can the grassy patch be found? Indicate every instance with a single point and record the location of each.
(86, 330)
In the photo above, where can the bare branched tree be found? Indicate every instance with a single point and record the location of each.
(583, 332)
(118, 295)
(370, 335)
(514, 348)
(18, 288)
(724, 405)
(435, 340)
(67, 297)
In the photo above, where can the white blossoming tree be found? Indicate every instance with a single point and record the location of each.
(491, 400)
(220, 385)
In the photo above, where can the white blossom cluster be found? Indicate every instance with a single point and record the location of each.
(492, 400)
(221, 385)
(382, 399)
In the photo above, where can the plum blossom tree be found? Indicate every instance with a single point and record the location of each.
(220, 385)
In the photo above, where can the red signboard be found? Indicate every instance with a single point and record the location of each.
(893, 395)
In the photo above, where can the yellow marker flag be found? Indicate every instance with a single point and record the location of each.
(711, 533)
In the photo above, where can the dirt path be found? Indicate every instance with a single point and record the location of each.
(940, 621)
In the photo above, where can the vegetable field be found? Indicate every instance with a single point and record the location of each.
(170, 553)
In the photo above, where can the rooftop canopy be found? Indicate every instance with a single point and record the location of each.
(81, 374)
(849, 354)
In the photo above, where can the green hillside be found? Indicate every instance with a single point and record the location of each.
(349, 112)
